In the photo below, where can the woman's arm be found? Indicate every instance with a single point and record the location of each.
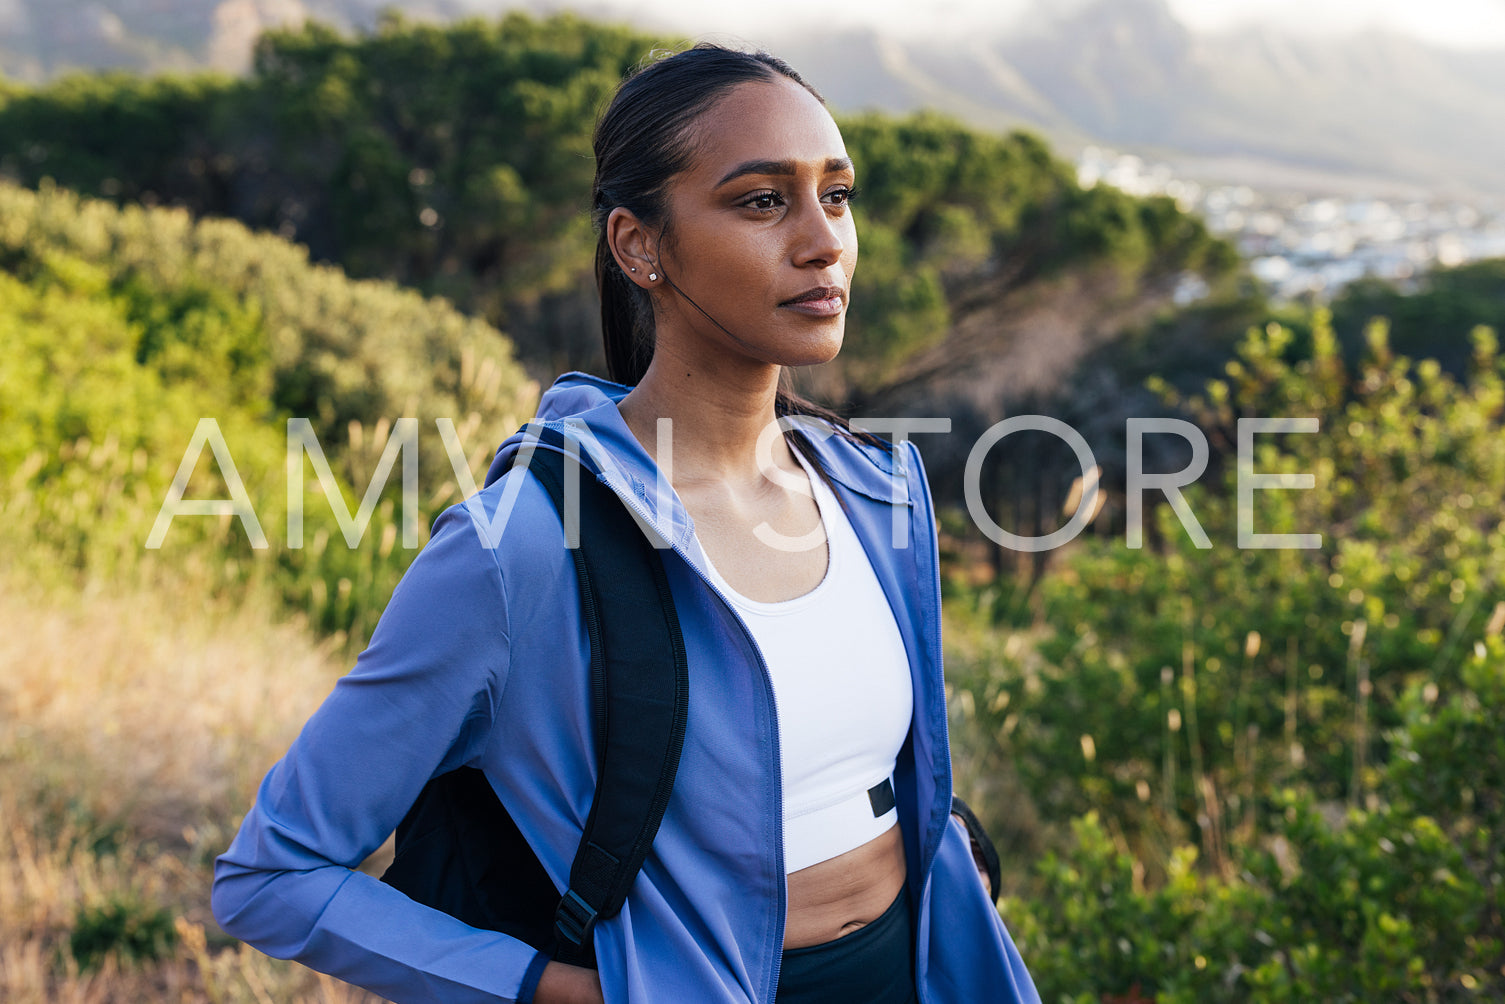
(562, 984)
(419, 702)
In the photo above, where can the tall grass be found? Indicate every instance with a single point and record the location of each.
(134, 728)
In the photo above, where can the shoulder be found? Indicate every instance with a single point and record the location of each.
(885, 471)
(481, 551)
(512, 510)
(513, 527)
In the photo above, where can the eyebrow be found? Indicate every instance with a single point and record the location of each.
(781, 167)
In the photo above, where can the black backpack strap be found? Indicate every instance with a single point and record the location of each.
(640, 695)
(457, 848)
(983, 851)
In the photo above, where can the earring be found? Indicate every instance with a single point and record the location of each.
(653, 277)
(632, 270)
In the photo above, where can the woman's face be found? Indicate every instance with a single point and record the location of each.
(759, 232)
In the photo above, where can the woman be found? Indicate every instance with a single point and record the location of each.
(810, 614)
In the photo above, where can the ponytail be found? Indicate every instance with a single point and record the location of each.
(626, 320)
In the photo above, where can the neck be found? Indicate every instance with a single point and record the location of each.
(717, 417)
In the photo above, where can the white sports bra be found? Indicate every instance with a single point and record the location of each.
(843, 694)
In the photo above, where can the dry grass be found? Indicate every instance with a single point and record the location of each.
(133, 731)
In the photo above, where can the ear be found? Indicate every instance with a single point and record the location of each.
(634, 247)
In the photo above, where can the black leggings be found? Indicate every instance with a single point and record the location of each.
(872, 965)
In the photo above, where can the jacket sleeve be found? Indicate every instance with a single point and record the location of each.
(419, 702)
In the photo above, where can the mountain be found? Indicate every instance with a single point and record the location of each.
(1368, 110)
(1127, 73)
(40, 39)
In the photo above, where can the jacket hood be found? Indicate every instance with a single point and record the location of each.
(584, 409)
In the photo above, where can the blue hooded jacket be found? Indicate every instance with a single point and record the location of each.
(481, 660)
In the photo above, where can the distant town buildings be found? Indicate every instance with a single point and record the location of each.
(1313, 245)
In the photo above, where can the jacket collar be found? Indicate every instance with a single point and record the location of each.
(584, 408)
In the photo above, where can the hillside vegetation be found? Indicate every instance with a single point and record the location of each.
(124, 328)
(1278, 766)
(143, 692)
(124, 766)
(456, 159)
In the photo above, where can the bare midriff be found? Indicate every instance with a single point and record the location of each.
(837, 896)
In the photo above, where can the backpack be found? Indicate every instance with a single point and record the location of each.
(459, 851)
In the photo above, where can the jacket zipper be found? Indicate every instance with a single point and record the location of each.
(631, 502)
(933, 648)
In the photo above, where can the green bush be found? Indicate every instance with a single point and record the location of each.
(1403, 901)
(128, 927)
(124, 328)
(1209, 678)
(1274, 775)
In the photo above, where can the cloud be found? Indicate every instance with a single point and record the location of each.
(1463, 23)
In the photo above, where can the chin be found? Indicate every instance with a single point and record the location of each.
(817, 350)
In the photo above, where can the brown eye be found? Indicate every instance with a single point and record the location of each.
(763, 201)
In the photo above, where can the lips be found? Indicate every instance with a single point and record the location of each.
(821, 302)
(817, 295)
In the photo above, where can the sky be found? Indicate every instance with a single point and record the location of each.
(1454, 23)
(1460, 23)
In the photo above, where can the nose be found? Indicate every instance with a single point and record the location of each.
(821, 239)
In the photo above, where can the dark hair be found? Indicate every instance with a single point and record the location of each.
(642, 140)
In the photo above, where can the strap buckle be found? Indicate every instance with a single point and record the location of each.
(574, 918)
